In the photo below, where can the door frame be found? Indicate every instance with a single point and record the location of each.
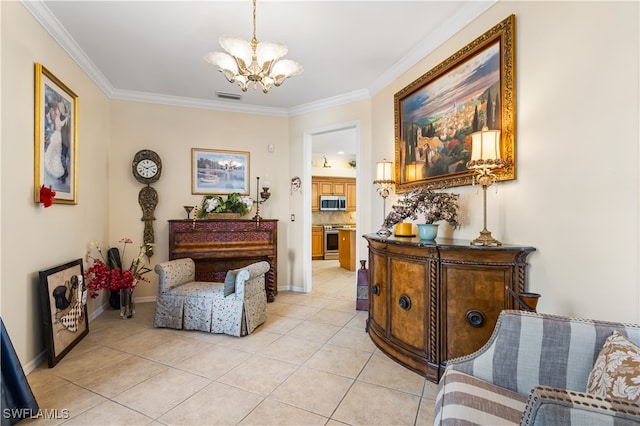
(307, 154)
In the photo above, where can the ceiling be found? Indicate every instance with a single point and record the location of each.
(152, 51)
(335, 144)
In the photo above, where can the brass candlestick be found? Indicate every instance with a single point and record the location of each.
(261, 197)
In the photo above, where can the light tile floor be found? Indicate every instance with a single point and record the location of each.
(311, 363)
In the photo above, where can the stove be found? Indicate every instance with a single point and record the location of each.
(329, 227)
(331, 240)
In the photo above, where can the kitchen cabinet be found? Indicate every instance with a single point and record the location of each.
(315, 197)
(333, 186)
(351, 196)
(430, 302)
(347, 248)
(317, 242)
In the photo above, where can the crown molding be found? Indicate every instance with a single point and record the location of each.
(343, 99)
(153, 98)
(50, 23)
(441, 34)
(445, 30)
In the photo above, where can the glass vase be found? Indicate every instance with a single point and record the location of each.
(127, 307)
(114, 299)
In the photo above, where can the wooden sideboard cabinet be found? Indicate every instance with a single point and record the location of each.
(433, 301)
(217, 246)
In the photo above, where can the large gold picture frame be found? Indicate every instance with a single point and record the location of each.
(435, 115)
(56, 133)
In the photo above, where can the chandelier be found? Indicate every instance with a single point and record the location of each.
(253, 62)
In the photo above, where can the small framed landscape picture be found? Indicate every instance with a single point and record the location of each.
(219, 172)
(64, 308)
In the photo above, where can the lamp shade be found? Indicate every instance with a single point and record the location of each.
(485, 149)
(237, 48)
(411, 172)
(384, 170)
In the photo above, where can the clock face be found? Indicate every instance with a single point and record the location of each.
(147, 168)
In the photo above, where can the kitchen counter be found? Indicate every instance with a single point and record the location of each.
(347, 248)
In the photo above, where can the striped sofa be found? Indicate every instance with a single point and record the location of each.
(533, 371)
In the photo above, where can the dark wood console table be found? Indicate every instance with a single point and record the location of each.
(217, 246)
(434, 301)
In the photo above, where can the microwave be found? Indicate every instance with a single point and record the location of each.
(333, 202)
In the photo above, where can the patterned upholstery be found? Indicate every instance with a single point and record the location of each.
(532, 351)
(550, 406)
(197, 305)
(474, 401)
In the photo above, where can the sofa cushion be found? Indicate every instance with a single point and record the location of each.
(230, 283)
(465, 399)
(616, 372)
(540, 349)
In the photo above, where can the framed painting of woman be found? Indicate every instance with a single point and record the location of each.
(56, 130)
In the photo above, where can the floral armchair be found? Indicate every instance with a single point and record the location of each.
(235, 307)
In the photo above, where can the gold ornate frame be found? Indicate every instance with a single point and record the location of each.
(56, 132)
(449, 118)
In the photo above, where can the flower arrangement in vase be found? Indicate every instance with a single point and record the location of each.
(106, 274)
(434, 206)
(235, 203)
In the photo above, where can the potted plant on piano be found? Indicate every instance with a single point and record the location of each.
(215, 207)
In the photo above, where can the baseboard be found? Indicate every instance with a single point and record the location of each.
(145, 299)
(42, 356)
(296, 289)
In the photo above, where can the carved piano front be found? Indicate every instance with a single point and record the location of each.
(217, 246)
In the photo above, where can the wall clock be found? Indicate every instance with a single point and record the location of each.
(146, 168)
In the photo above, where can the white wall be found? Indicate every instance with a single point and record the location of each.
(576, 195)
(301, 129)
(172, 132)
(577, 153)
(35, 238)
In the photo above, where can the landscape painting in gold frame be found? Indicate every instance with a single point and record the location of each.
(56, 133)
(217, 171)
(436, 114)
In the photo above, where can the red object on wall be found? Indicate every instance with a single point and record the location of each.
(47, 195)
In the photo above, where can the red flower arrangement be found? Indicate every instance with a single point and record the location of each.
(103, 276)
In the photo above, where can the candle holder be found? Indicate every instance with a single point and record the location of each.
(261, 198)
(188, 209)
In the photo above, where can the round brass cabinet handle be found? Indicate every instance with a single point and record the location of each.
(404, 302)
(475, 318)
(375, 290)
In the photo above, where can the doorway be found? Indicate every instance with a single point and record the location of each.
(315, 141)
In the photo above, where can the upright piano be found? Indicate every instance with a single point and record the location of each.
(219, 245)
